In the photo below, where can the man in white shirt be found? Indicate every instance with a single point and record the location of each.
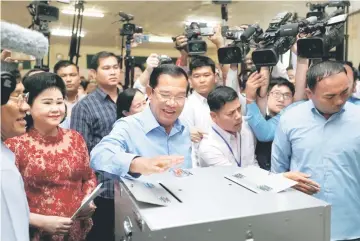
(196, 112)
(14, 205)
(226, 143)
(69, 72)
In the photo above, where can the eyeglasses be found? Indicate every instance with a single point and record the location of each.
(166, 97)
(278, 94)
(21, 98)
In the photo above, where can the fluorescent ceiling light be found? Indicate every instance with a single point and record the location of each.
(87, 13)
(64, 32)
(159, 39)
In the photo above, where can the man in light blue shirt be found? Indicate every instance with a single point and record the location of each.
(154, 140)
(14, 205)
(317, 145)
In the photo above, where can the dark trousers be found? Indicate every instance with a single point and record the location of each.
(104, 221)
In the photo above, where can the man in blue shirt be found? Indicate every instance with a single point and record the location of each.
(317, 145)
(154, 140)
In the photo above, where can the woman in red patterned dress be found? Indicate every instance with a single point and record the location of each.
(54, 164)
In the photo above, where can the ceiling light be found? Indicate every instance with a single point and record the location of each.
(87, 13)
(64, 32)
(159, 39)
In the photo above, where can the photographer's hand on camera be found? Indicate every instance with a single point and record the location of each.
(254, 82)
(151, 62)
(217, 38)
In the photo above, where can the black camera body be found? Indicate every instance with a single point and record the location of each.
(45, 12)
(237, 51)
(129, 29)
(272, 43)
(193, 32)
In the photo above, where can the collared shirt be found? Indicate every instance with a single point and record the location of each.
(196, 114)
(214, 151)
(14, 205)
(139, 135)
(264, 130)
(69, 106)
(93, 117)
(328, 150)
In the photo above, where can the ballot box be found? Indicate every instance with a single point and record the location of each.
(207, 204)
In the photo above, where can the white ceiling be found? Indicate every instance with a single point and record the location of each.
(164, 18)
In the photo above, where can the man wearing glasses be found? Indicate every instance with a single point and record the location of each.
(14, 206)
(154, 140)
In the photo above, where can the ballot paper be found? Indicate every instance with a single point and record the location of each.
(85, 204)
(261, 181)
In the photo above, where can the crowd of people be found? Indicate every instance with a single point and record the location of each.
(62, 134)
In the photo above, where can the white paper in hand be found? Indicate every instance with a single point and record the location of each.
(85, 204)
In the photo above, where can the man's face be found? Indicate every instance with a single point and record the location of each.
(203, 80)
(229, 116)
(279, 98)
(167, 99)
(291, 75)
(108, 72)
(331, 93)
(13, 113)
(71, 77)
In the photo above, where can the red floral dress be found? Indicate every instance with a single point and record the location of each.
(57, 177)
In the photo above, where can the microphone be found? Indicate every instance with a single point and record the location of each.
(19, 39)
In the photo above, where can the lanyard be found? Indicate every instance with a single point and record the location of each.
(238, 163)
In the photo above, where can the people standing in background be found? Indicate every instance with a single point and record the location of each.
(14, 205)
(291, 73)
(54, 164)
(82, 88)
(129, 102)
(93, 117)
(69, 72)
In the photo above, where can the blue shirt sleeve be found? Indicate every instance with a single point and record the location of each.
(263, 129)
(111, 154)
(280, 151)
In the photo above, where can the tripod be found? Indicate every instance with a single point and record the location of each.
(129, 62)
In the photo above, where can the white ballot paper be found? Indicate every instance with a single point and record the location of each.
(261, 181)
(87, 201)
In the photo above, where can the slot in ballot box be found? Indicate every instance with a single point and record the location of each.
(204, 204)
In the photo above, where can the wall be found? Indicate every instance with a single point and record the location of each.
(354, 38)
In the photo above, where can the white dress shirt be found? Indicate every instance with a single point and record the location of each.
(14, 205)
(214, 149)
(196, 114)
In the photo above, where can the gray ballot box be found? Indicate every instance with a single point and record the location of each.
(203, 205)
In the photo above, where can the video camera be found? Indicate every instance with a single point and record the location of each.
(42, 13)
(164, 59)
(240, 47)
(194, 33)
(325, 35)
(272, 43)
(129, 29)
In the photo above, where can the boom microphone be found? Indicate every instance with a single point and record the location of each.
(19, 39)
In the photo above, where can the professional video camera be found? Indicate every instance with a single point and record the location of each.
(272, 43)
(42, 13)
(240, 47)
(129, 29)
(325, 34)
(194, 33)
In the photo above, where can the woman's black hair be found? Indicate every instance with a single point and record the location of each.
(37, 83)
(124, 101)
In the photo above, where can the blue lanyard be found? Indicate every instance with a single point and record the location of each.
(238, 163)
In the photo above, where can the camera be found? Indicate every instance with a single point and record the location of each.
(240, 47)
(271, 44)
(193, 32)
(164, 59)
(129, 29)
(326, 34)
